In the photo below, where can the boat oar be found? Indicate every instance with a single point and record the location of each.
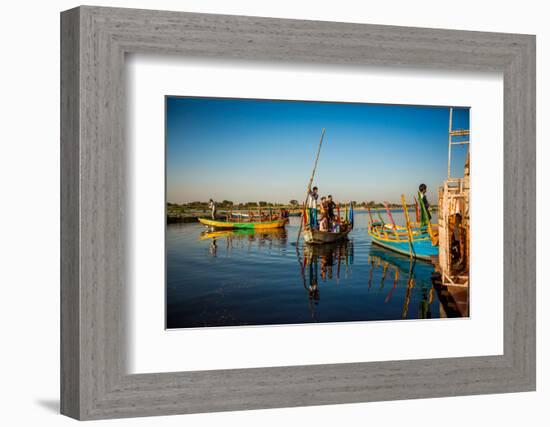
(391, 219)
(408, 222)
(311, 179)
(381, 219)
(370, 214)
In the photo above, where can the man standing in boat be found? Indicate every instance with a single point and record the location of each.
(423, 189)
(330, 211)
(212, 207)
(312, 207)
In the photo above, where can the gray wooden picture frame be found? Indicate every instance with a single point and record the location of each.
(94, 41)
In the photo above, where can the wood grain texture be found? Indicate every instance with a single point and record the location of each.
(94, 382)
(70, 297)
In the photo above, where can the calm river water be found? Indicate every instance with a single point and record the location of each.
(234, 278)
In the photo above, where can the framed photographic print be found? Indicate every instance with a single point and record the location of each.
(262, 213)
(235, 265)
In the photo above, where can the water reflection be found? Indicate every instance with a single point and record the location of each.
(331, 262)
(244, 238)
(385, 260)
(325, 262)
(261, 277)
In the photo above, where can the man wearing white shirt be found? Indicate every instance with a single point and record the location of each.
(312, 207)
(212, 207)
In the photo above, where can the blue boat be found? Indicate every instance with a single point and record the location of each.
(417, 240)
(397, 240)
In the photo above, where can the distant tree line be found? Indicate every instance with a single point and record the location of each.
(228, 204)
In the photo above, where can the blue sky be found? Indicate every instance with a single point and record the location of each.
(250, 150)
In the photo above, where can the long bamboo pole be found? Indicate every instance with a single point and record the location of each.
(311, 179)
(450, 142)
(408, 222)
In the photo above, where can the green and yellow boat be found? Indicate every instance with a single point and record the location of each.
(278, 223)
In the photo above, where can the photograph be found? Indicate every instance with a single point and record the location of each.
(289, 212)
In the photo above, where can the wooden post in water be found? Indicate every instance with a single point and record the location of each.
(311, 179)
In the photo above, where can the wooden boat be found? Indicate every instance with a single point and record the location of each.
(248, 233)
(316, 237)
(278, 223)
(397, 240)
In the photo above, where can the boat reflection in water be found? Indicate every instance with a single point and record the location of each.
(416, 274)
(244, 238)
(261, 277)
(326, 262)
(333, 262)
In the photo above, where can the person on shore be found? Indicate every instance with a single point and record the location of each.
(312, 206)
(423, 189)
(212, 207)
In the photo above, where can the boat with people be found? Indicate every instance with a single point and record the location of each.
(317, 237)
(329, 227)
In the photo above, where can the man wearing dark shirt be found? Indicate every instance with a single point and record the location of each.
(330, 208)
(423, 189)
